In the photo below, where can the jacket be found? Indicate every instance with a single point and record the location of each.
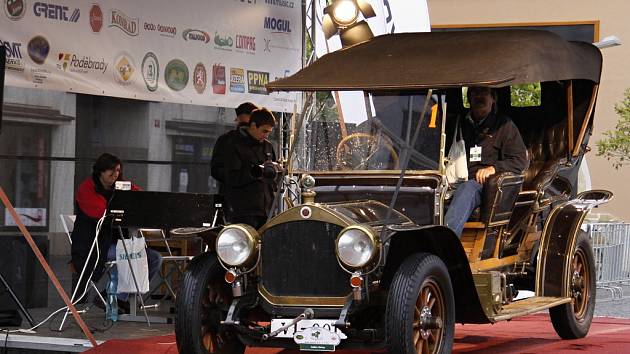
(244, 194)
(500, 141)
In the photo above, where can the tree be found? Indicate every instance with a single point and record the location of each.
(616, 145)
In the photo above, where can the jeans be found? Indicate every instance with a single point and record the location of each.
(467, 197)
(155, 262)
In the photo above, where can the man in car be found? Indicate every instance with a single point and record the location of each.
(493, 145)
(249, 198)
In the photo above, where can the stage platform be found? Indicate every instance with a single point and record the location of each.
(530, 334)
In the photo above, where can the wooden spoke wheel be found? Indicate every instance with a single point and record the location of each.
(420, 315)
(573, 320)
(202, 304)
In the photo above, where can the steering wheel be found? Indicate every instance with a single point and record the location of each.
(356, 150)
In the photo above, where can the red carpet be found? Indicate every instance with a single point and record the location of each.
(531, 334)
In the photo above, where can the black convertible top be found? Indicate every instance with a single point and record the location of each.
(407, 61)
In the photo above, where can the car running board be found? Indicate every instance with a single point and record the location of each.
(527, 306)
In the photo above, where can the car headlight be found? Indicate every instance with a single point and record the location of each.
(236, 244)
(356, 246)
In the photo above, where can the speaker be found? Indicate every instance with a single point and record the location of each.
(22, 271)
(3, 59)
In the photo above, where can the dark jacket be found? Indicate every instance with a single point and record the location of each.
(217, 163)
(244, 194)
(500, 141)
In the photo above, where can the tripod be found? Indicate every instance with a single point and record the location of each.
(21, 307)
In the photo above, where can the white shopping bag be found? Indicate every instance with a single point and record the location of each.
(136, 249)
(456, 165)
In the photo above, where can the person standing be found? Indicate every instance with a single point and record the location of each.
(249, 198)
(217, 163)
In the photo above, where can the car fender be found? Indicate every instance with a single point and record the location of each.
(442, 242)
(558, 241)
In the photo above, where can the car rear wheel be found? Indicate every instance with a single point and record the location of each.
(420, 315)
(573, 320)
(202, 301)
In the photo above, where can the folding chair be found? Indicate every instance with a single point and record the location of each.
(169, 258)
(67, 221)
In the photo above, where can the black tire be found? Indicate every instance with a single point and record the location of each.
(199, 311)
(573, 320)
(421, 277)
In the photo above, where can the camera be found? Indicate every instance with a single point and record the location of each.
(270, 171)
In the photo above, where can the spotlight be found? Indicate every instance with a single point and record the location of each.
(342, 16)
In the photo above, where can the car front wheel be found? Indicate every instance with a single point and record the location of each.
(420, 316)
(573, 320)
(202, 301)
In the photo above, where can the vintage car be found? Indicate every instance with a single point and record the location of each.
(363, 259)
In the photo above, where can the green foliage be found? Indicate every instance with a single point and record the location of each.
(525, 95)
(616, 145)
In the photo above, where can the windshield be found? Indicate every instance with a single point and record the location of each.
(372, 139)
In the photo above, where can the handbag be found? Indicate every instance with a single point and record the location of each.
(457, 164)
(137, 260)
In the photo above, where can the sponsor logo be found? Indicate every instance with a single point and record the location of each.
(256, 81)
(200, 77)
(80, 64)
(246, 43)
(163, 30)
(13, 60)
(124, 68)
(281, 3)
(226, 42)
(56, 12)
(176, 75)
(218, 79)
(14, 9)
(126, 24)
(38, 49)
(96, 18)
(271, 45)
(150, 71)
(196, 35)
(277, 25)
(237, 80)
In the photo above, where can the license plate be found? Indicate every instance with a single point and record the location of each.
(304, 324)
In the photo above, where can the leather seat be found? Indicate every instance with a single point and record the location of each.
(546, 153)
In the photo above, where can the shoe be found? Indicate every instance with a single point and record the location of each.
(123, 306)
(96, 301)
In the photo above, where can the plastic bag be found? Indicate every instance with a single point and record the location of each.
(457, 164)
(136, 249)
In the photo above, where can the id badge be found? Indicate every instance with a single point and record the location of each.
(475, 154)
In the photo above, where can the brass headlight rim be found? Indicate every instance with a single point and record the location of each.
(253, 239)
(375, 251)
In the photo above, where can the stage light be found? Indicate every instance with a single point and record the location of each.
(342, 16)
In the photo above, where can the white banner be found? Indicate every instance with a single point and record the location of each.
(204, 52)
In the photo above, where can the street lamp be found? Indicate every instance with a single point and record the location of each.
(342, 16)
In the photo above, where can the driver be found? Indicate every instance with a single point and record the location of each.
(493, 145)
(249, 198)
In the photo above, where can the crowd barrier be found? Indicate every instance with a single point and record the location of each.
(611, 246)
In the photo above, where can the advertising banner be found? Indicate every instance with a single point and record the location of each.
(204, 52)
